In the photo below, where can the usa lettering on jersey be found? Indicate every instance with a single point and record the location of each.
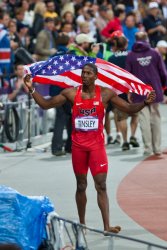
(87, 112)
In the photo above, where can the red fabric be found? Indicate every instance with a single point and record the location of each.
(88, 140)
(4, 55)
(112, 26)
(96, 160)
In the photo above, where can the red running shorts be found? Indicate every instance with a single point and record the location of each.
(96, 160)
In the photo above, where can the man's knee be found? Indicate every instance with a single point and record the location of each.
(100, 186)
(81, 186)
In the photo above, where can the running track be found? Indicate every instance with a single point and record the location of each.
(142, 195)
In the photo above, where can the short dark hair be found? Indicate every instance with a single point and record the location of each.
(62, 39)
(49, 19)
(120, 42)
(93, 66)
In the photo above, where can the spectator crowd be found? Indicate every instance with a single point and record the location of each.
(131, 34)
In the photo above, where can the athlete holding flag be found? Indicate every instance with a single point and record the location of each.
(89, 102)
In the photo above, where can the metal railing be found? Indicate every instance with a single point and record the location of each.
(23, 120)
(67, 234)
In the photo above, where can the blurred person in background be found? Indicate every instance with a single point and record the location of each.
(85, 28)
(163, 8)
(50, 9)
(28, 14)
(118, 58)
(45, 44)
(13, 35)
(82, 46)
(130, 29)
(87, 16)
(102, 18)
(161, 47)
(153, 24)
(68, 17)
(38, 21)
(5, 49)
(19, 15)
(19, 91)
(63, 113)
(116, 23)
(68, 28)
(23, 33)
(146, 63)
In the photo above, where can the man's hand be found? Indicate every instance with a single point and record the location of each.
(28, 81)
(150, 98)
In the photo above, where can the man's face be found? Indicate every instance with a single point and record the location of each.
(130, 21)
(50, 25)
(51, 6)
(20, 71)
(67, 28)
(85, 46)
(6, 20)
(88, 76)
(154, 11)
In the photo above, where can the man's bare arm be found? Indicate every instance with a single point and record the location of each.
(52, 102)
(132, 107)
(40, 100)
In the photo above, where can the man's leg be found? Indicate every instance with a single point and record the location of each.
(145, 125)
(156, 128)
(122, 121)
(80, 196)
(80, 167)
(103, 203)
(57, 139)
(133, 126)
(68, 144)
(107, 126)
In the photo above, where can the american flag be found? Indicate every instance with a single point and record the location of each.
(65, 71)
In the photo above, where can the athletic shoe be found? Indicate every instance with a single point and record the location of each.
(117, 140)
(109, 139)
(59, 153)
(125, 146)
(134, 142)
(147, 152)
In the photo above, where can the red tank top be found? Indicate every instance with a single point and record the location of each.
(87, 121)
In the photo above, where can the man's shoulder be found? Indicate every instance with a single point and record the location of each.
(43, 33)
(69, 91)
(105, 90)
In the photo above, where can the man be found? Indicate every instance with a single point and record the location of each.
(50, 12)
(116, 22)
(130, 29)
(63, 113)
(45, 45)
(119, 58)
(5, 49)
(82, 46)
(102, 18)
(88, 150)
(161, 47)
(146, 63)
(153, 24)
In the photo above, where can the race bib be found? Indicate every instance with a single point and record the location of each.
(88, 123)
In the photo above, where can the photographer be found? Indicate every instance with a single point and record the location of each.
(83, 46)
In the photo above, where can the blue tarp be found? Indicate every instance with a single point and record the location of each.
(23, 218)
